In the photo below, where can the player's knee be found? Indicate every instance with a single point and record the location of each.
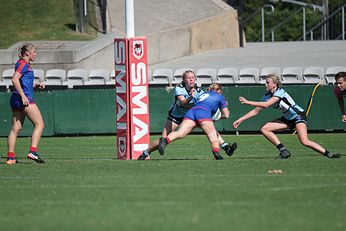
(264, 129)
(305, 142)
(16, 129)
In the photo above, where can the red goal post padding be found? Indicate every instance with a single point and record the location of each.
(132, 103)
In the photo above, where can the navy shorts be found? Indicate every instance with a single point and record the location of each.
(301, 118)
(17, 103)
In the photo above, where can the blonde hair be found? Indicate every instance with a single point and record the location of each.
(215, 87)
(276, 79)
(23, 49)
(187, 72)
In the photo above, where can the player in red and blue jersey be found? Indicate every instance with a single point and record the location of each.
(23, 104)
(340, 92)
(186, 95)
(201, 115)
(293, 117)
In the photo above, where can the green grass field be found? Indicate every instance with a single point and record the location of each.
(83, 187)
(41, 20)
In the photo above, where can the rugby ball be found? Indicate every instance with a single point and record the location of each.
(217, 115)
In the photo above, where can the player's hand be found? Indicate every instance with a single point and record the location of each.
(25, 101)
(236, 123)
(193, 92)
(41, 86)
(343, 118)
(242, 100)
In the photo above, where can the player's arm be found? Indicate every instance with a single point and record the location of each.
(224, 113)
(341, 103)
(265, 104)
(248, 115)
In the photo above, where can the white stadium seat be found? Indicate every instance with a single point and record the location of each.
(292, 75)
(248, 75)
(76, 77)
(205, 76)
(331, 72)
(97, 77)
(265, 71)
(55, 77)
(226, 75)
(313, 75)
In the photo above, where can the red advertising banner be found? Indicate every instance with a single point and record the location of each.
(132, 101)
(139, 100)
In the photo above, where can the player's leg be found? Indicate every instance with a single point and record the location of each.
(34, 115)
(228, 148)
(153, 146)
(185, 128)
(268, 131)
(18, 118)
(209, 129)
(304, 139)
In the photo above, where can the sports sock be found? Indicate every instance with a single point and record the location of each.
(281, 147)
(10, 155)
(167, 140)
(33, 149)
(145, 152)
(326, 153)
(224, 145)
(215, 149)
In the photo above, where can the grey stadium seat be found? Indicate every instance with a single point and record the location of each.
(205, 76)
(226, 75)
(39, 76)
(313, 75)
(76, 77)
(265, 71)
(161, 76)
(97, 77)
(55, 77)
(292, 75)
(248, 75)
(7, 78)
(331, 72)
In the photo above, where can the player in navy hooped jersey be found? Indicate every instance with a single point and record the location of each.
(201, 115)
(293, 117)
(23, 104)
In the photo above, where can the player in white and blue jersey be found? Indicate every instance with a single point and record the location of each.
(201, 115)
(186, 95)
(293, 117)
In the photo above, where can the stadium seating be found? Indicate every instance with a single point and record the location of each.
(38, 76)
(97, 77)
(6, 78)
(205, 76)
(265, 71)
(55, 77)
(76, 77)
(226, 75)
(292, 75)
(248, 75)
(331, 72)
(313, 75)
(161, 76)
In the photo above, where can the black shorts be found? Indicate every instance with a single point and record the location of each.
(301, 118)
(176, 120)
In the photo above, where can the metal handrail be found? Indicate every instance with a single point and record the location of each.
(342, 9)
